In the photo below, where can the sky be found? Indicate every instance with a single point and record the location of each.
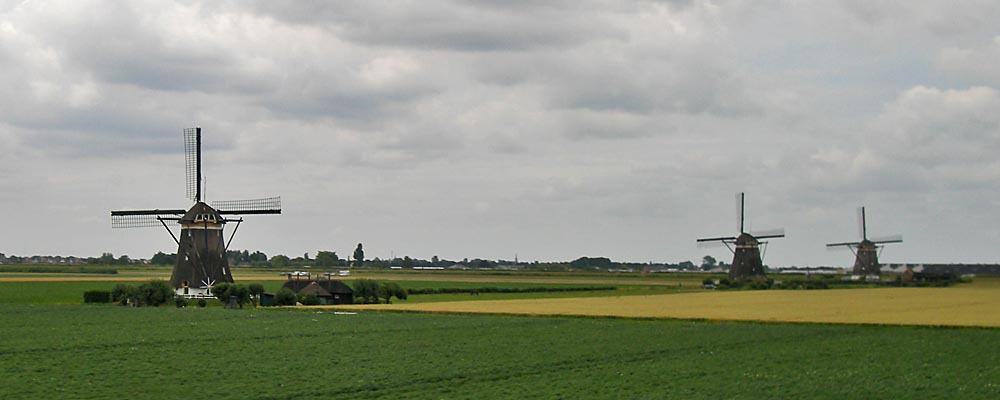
(499, 129)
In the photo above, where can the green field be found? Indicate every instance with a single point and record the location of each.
(51, 346)
(56, 292)
(62, 351)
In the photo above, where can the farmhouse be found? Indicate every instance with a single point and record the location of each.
(329, 291)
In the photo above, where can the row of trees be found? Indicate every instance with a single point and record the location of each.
(238, 293)
(370, 291)
(329, 259)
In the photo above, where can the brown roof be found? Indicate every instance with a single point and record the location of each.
(330, 286)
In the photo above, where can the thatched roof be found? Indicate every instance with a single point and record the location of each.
(330, 286)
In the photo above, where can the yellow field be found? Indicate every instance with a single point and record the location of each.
(956, 306)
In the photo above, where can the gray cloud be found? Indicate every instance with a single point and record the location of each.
(483, 129)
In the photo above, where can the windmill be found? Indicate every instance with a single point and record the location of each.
(866, 251)
(745, 247)
(201, 245)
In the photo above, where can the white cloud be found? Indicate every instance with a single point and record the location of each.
(480, 129)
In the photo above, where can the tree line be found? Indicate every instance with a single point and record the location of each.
(330, 259)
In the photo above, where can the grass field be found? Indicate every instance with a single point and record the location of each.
(51, 346)
(62, 351)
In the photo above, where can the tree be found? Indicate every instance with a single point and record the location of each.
(153, 293)
(161, 258)
(222, 291)
(280, 261)
(285, 297)
(119, 294)
(359, 256)
(389, 289)
(242, 294)
(225, 291)
(256, 290)
(367, 290)
(707, 263)
(327, 258)
(591, 263)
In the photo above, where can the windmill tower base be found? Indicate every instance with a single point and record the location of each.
(866, 262)
(746, 259)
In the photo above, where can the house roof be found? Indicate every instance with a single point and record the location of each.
(330, 286)
(315, 289)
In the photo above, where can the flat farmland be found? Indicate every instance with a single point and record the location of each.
(686, 344)
(953, 306)
(91, 352)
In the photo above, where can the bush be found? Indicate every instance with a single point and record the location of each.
(222, 291)
(155, 293)
(119, 294)
(202, 303)
(309, 300)
(180, 302)
(285, 297)
(97, 296)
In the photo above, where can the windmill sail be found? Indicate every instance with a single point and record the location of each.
(142, 218)
(201, 247)
(270, 205)
(745, 247)
(866, 251)
(192, 162)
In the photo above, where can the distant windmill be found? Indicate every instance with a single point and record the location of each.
(201, 248)
(866, 251)
(745, 247)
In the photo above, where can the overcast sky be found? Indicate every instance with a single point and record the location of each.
(545, 130)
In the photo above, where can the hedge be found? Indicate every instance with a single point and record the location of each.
(97, 296)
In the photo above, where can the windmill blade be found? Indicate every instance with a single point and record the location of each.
(739, 211)
(769, 233)
(270, 205)
(862, 225)
(142, 218)
(192, 162)
(717, 239)
(845, 244)
(714, 244)
(888, 239)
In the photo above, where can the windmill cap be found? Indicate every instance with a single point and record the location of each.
(201, 212)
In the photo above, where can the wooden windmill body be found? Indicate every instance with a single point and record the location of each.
(866, 250)
(201, 245)
(746, 248)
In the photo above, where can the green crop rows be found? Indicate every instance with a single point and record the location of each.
(77, 351)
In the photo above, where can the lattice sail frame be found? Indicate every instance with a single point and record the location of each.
(270, 205)
(143, 218)
(134, 221)
(192, 162)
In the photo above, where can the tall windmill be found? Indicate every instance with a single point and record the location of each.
(866, 251)
(745, 247)
(201, 245)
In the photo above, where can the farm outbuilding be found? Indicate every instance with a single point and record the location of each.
(329, 291)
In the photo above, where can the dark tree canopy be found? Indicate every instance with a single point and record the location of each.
(327, 259)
